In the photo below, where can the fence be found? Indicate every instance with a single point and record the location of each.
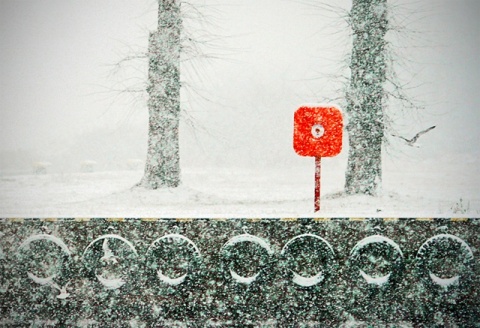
(343, 272)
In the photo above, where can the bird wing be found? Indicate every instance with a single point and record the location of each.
(107, 252)
(56, 286)
(414, 139)
(426, 130)
(395, 135)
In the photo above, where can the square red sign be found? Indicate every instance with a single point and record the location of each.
(318, 131)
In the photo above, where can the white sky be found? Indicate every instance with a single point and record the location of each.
(56, 57)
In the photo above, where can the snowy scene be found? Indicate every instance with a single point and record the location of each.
(275, 163)
(75, 121)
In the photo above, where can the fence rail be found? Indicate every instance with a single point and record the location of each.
(285, 272)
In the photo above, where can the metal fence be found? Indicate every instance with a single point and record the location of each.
(341, 272)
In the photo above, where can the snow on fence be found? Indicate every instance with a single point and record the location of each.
(240, 272)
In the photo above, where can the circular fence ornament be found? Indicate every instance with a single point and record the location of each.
(247, 253)
(306, 253)
(443, 259)
(111, 258)
(44, 256)
(173, 255)
(378, 259)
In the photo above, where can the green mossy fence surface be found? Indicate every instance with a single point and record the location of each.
(340, 272)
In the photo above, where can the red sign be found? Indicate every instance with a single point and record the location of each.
(318, 131)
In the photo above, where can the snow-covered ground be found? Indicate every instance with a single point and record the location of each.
(64, 111)
(428, 188)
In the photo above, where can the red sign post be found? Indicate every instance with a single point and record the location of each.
(318, 131)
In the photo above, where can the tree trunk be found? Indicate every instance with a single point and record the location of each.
(162, 167)
(366, 96)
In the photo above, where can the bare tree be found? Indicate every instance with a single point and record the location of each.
(366, 96)
(182, 42)
(162, 167)
(372, 85)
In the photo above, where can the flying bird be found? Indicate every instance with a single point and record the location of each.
(108, 255)
(412, 141)
(49, 282)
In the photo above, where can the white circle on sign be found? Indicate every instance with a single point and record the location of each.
(318, 131)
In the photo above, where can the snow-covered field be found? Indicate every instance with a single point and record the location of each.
(265, 58)
(428, 188)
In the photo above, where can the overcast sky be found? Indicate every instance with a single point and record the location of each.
(57, 76)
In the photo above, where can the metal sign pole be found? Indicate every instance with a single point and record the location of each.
(318, 169)
(317, 132)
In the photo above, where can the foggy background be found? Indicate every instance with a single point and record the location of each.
(61, 96)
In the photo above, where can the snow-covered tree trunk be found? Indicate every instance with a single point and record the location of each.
(162, 167)
(366, 96)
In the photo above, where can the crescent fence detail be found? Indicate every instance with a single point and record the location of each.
(237, 272)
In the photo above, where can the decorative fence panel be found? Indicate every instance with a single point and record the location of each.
(240, 272)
